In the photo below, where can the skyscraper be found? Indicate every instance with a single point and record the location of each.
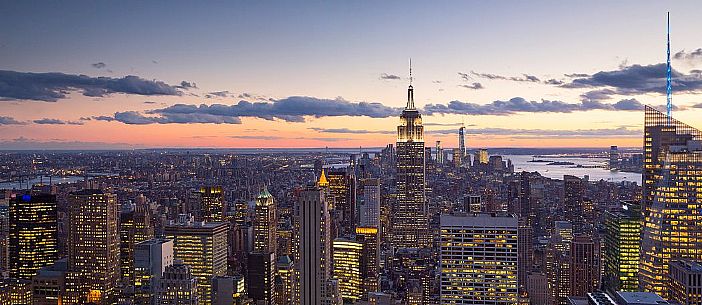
(686, 282)
(262, 260)
(409, 217)
(573, 195)
(672, 198)
(584, 265)
(622, 246)
(93, 246)
(439, 153)
(342, 195)
(347, 268)
(207, 204)
(478, 259)
(202, 246)
(370, 206)
(314, 245)
(462, 141)
(33, 234)
(370, 258)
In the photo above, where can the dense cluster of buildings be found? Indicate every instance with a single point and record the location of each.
(407, 225)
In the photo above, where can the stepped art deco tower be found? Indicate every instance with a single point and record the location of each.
(410, 224)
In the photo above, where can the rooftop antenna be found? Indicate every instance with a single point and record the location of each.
(668, 79)
(410, 90)
(410, 75)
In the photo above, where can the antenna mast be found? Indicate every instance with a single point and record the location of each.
(668, 78)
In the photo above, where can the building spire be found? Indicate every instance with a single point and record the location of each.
(410, 90)
(668, 78)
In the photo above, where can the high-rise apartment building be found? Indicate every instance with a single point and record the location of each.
(33, 230)
(202, 246)
(410, 223)
(573, 196)
(478, 259)
(93, 247)
(672, 198)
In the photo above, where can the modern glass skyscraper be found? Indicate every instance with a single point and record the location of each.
(622, 246)
(32, 234)
(410, 224)
(672, 198)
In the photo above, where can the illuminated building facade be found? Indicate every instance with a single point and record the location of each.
(93, 246)
(207, 204)
(49, 284)
(342, 196)
(286, 272)
(347, 268)
(202, 246)
(178, 286)
(33, 230)
(410, 223)
(622, 246)
(573, 195)
(672, 198)
(483, 156)
(686, 282)
(370, 258)
(478, 259)
(262, 260)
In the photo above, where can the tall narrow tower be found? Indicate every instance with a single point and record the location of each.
(410, 222)
(462, 141)
(668, 79)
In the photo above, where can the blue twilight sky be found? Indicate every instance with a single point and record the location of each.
(354, 51)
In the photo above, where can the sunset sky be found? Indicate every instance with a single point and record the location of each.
(94, 74)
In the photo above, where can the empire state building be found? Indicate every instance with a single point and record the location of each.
(410, 223)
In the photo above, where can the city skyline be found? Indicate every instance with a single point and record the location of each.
(90, 76)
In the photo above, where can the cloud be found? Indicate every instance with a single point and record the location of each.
(443, 124)
(475, 86)
(465, 76)
(599, 94)
(553, 81)
(46, 121)
(99, 65)
(187, 85)
(271, 138)
(103, 118)
(546, 133)
(291, 109)
(50, 87)
(699, 105)
(523, 78)
(352, 131)
(689, 56)
(386, 76)
(136, 118)
(638, 79)
(515, 105)
(6, 120)
(149, 102)
(576, 75)
(218, 94)
(23, 143)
